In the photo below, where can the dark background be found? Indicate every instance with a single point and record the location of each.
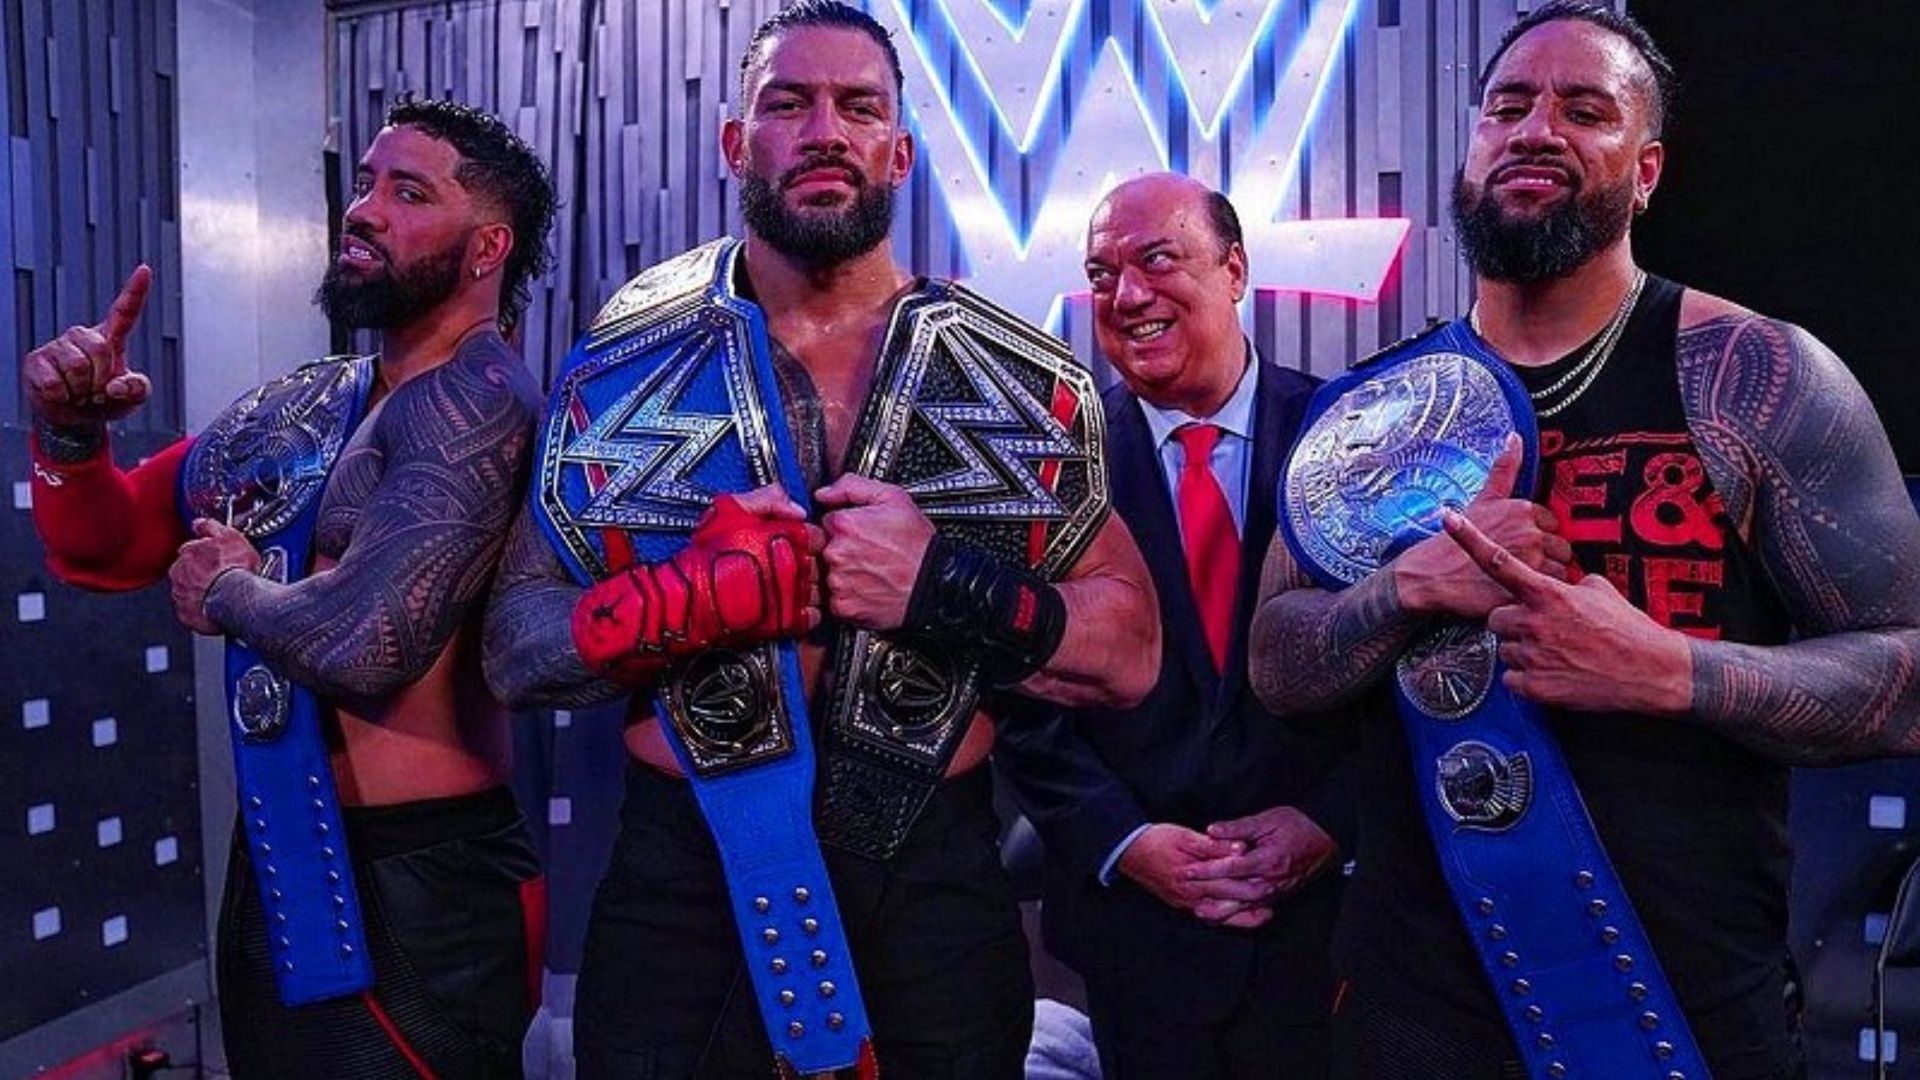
(1790, 177)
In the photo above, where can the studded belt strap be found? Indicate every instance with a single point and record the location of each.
(1384, 448)
(261, 466)
(666, 402)
(1581, 988)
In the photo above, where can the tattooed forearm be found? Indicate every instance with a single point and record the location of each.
(528, 647)
(1312, 649)
(1800, 459)
(1824, 701)
(436, 486)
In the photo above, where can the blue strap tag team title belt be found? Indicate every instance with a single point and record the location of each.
(1386, 447)
(261, 467)
(669, 400)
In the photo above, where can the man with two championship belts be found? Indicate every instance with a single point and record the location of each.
(1601, 693)
(339, 525)
(668, 556)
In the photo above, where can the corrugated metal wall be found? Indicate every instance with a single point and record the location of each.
(91, 185)
(626, 96)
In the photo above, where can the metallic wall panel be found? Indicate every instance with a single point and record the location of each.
(89, 182)
(99, 801)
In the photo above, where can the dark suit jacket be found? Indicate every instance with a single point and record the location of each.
(1199, 749)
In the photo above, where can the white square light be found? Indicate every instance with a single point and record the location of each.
(41, 819)
(559, 810)
(106, 731)
(35, 713)
(22, 495)
(1889, 1046)
(46, 923)
(562, 718)
(32, 606)
(1887, 812)
(108, 831)
(166, 850)
(158, 659)
(113, 931)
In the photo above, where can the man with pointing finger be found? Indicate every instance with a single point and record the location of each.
(1718, 485)
(340, 526)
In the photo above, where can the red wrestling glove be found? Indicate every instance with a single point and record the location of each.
(742, 579)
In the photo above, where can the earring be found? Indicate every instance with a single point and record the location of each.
(476, 273)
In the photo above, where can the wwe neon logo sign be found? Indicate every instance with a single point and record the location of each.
(1198, 57)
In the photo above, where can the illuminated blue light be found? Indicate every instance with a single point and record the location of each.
(1206, 54)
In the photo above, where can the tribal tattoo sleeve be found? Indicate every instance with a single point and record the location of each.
(530, 656)
(1797, 453)
(1312, 649)
(423, 508)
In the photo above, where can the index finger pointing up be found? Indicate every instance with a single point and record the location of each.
(125, 312)
(1497, 562)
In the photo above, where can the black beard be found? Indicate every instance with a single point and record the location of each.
(1558, 243)
(393, 295)
(825, 237)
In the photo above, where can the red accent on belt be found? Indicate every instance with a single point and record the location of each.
(619, 548)
(866, 1068)
(1066, 406)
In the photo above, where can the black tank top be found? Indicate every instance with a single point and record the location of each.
(1695, 825)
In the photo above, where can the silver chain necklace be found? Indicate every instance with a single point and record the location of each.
(1587, 368)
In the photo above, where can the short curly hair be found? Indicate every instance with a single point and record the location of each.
(498, 166)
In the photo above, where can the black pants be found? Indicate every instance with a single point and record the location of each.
(441, 886)
(935, 934)
(1383, 1035)
(1215, 1004)
(1257, 1040)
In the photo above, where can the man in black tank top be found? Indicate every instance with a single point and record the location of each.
(1713, 482)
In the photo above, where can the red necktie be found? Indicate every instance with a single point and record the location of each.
(1212, 543)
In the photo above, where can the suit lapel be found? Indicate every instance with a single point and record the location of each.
(1140, 495)
(1263, 478)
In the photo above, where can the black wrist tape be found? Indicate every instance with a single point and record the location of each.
(69, 445)
(1013, 617)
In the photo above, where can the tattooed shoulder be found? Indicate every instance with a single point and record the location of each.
(464, 407)
(1797, 453)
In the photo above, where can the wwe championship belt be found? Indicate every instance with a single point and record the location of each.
(1385, 448)
(668, 401)
(996, 432)
(260, 467)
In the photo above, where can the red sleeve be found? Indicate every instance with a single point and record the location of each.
(104, 528)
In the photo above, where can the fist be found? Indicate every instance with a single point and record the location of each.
(216, 549)
(745, 576)
(876, 539)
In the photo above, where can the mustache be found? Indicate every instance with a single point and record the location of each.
(825, 164)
